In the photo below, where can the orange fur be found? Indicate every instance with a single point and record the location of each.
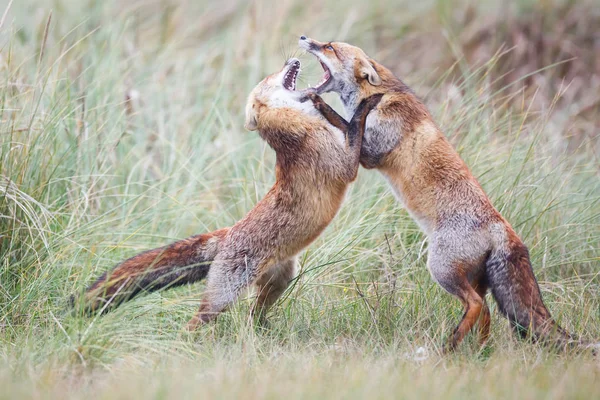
(471, 246)
(313, 170)
(315, 163)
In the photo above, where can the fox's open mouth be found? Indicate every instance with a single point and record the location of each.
(289, 80)
(291, 76)
(326, 76)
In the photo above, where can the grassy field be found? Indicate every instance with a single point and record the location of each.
(121, 130)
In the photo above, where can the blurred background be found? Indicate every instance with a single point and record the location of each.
(121, 129)
(545, 53)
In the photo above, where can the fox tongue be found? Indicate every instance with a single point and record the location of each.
(326, 74)
(325, 78)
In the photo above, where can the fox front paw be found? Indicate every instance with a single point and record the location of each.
(317, 101)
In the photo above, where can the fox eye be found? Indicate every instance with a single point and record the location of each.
(329, 47)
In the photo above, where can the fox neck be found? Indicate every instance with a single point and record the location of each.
(281, 99)
(350, 99)
(351, 96)
(353, 93)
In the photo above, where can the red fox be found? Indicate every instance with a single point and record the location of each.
(315, 163)
(471, 246)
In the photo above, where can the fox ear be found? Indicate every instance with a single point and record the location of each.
(367, 71)
(251, 124)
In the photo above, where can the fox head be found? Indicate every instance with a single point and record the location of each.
(347, 68)
(277, 91)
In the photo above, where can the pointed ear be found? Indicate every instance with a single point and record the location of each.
(251, 123)
(367, 71)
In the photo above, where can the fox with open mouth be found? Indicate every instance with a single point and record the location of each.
(472, 248)
(315, 162)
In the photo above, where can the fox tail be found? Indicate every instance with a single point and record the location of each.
(518, 295)
(179, 263)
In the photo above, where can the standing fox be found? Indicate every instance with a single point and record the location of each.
(315, 163)
(471, 246)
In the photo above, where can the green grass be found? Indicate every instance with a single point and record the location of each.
(121, 130)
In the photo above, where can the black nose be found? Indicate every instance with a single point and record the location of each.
(302, 37)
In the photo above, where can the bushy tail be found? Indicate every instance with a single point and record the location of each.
(179, 263)
(518, 295)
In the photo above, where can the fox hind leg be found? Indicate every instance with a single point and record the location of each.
(270, 286)
(452, 276)
(485, 318)
(226, 279)
(473, 305)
